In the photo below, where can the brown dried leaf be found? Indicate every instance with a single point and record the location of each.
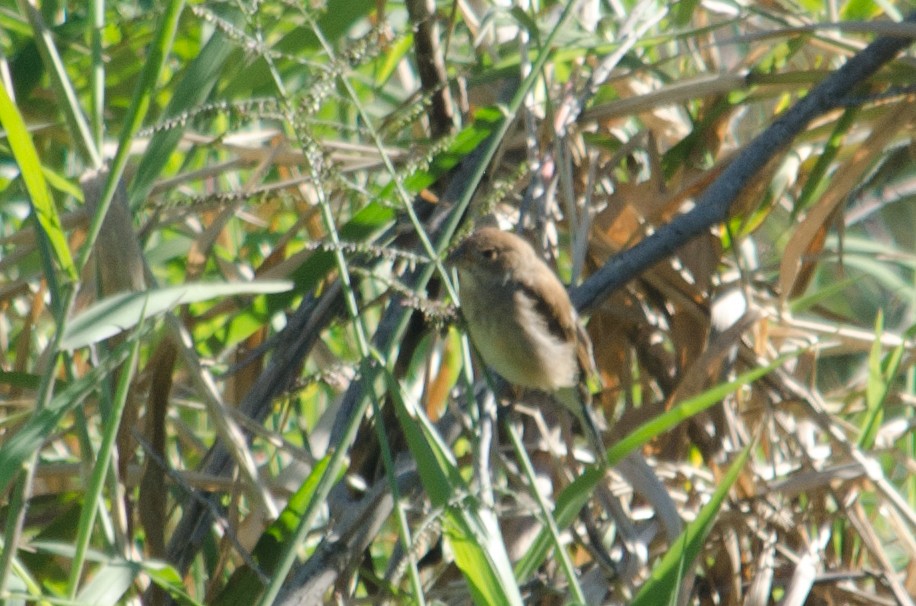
(804, 241)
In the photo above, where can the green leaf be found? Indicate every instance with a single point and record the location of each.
(122, 311)
(109, 583)
(881, 374)
(33, 433)
(194, 88)
(245, 586)
(576, 495)
(66, 96)
(387, 63)
(101, 466)
(166, 577)
(664, 583)
(472, 531)
(19, 380)
(435, 463)
(480, 554)
(33, 176)
(832, 147)
(146, 86)
(860, 10)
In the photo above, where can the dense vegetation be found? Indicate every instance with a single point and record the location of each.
(230, 367)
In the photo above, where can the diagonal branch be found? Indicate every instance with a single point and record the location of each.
(713, 205)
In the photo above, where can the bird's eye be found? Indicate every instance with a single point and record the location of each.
(488, 253)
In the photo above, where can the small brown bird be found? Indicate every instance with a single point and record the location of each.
(521, 320)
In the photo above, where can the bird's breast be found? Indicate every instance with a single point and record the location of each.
(511, 334)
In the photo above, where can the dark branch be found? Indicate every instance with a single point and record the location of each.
(713, 205)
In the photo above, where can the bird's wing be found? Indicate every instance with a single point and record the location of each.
(549, 296)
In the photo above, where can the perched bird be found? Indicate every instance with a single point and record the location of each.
(521, 321)
(524, 326)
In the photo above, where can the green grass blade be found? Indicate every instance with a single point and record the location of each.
(881, 374)
(664, 584)
(246, 585)
(576, 495)
(146, 86)
(120, 312)
(68, 102)
(32, 175)
(103, 460)
(29, 438)
(193, 89)
(471, 529)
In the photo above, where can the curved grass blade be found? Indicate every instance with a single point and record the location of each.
(120, 312)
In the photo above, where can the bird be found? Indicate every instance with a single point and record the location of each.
(522, 323)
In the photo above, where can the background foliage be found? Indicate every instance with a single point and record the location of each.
(230, 372)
